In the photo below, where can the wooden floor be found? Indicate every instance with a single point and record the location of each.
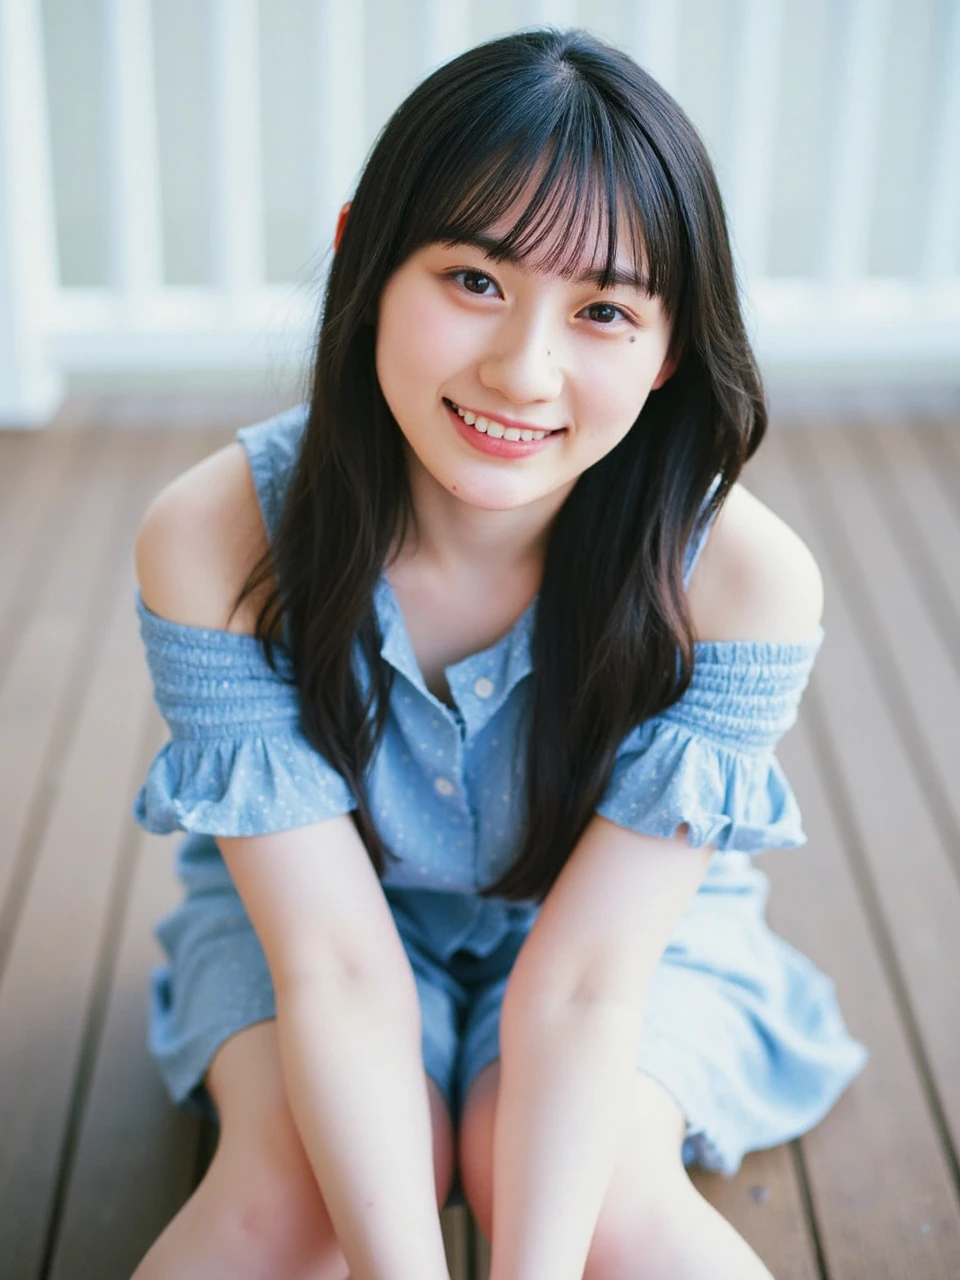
(93, 1159)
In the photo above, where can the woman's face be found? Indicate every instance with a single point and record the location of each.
(526, 350)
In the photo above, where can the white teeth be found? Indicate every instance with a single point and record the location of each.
(496, 429)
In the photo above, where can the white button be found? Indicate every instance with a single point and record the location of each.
(444, 786)
(483, 687)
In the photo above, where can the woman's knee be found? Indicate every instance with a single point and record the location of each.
(265, 1211)
(625, 1241)
(257, 1213)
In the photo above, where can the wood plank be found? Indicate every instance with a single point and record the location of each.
(39, 499)
(917, 894)
(15, 448)
(915, 664)
(455, 1225)
(481, 1252)
(136, 1153)
(48, 663)
(48, 986)
(928, 521)
(881, 1187)
(942, 440)
(120, 1194)
(878, 1164)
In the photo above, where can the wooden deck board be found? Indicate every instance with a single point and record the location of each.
(94, 1159)
(928, 523)
(35, 514)
(854, 778)
(134, 1159)
(49, 993)
(919, 669)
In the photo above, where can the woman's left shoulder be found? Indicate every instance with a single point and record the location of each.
(755, 579)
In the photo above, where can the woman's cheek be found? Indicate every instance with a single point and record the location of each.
(431, 339)
(612, 401)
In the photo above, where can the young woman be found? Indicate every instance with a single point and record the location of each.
(474, 667)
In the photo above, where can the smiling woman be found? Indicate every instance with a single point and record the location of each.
(524, 349)
(479, 724)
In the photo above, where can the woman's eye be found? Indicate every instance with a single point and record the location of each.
(605, 312)
(473, 281)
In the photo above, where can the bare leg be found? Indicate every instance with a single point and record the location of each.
(653, 1224)
(258, 1212)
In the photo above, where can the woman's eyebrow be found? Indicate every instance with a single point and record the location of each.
(619, 276)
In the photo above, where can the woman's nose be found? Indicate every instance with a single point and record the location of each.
(524, 364)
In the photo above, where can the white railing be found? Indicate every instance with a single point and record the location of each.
(838, 314)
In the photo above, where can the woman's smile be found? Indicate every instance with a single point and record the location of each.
(490, 436)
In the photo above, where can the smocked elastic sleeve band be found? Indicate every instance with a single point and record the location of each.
(237, 763)
(708, 761)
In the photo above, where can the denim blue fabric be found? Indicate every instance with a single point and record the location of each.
(741, 1028)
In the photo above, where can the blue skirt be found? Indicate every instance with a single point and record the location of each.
(742, 1029)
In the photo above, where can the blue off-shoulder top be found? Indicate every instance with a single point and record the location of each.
(446, 783)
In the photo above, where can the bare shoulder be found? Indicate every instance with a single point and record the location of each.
(756, 579)
(198, 541)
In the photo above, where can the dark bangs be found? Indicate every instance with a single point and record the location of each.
(582, 154)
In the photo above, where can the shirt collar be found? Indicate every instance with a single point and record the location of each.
(503, 664)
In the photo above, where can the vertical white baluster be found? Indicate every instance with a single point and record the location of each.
(341, 61)
(655, 39)
(133, 202)
(756, 76)
(30, 386)
(445, 31)
(238, 215)
(553, 13)
(939, 236)
(858, 78)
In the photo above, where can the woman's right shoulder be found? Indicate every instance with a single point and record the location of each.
(198, 540)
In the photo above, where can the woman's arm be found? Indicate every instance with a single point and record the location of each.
(348, 1014)
(569, 1037)
(349, 1026)
(572, 1012)
(355, 1081)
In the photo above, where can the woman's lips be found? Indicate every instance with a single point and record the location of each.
(497, 447)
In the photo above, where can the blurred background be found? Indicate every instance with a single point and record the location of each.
(171, 171)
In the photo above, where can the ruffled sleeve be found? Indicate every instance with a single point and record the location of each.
(237, 763)
(708, 761)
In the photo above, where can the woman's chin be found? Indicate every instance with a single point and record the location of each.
(487, 497)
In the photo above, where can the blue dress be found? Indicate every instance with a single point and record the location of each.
(740, 1027)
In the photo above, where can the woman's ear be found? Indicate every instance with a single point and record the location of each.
(667, 370)
(341, 223)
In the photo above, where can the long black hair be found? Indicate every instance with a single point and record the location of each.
(612, 640)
